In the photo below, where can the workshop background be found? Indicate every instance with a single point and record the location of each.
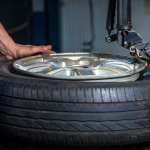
(68, 25)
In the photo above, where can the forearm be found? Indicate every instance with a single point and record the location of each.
(5, 39)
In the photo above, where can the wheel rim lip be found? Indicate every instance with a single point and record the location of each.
(100, 56)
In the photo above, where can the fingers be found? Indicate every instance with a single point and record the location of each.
(46, 52)
(37, 49)
(42, 49)
(28, 50)
(8, 57)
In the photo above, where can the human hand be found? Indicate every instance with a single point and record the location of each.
(10, 50)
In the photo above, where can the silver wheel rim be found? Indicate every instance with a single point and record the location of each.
(87, 67)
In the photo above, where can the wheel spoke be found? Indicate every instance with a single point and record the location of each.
(50, 70)
(95, 64)
(55, 71)
(111, 69)
(121, 65)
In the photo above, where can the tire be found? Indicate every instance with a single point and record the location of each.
(73, 113)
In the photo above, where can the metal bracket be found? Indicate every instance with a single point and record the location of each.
(128, 38)
(111, 38)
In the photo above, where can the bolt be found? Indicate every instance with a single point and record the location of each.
(140, 54)
(125, 42)
(133, 49)
(108, 40)
(125, 32)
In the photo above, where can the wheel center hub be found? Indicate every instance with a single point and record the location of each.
(78, 66)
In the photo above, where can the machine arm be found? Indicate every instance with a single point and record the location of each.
(111, 16)
(126, 37)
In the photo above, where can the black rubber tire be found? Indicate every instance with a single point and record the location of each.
(73, 113)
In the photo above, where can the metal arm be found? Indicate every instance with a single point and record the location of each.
(125, 36)
(124, 15)
(111, 20)
(111, 16)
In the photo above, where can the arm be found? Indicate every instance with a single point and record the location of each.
(10, 50)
